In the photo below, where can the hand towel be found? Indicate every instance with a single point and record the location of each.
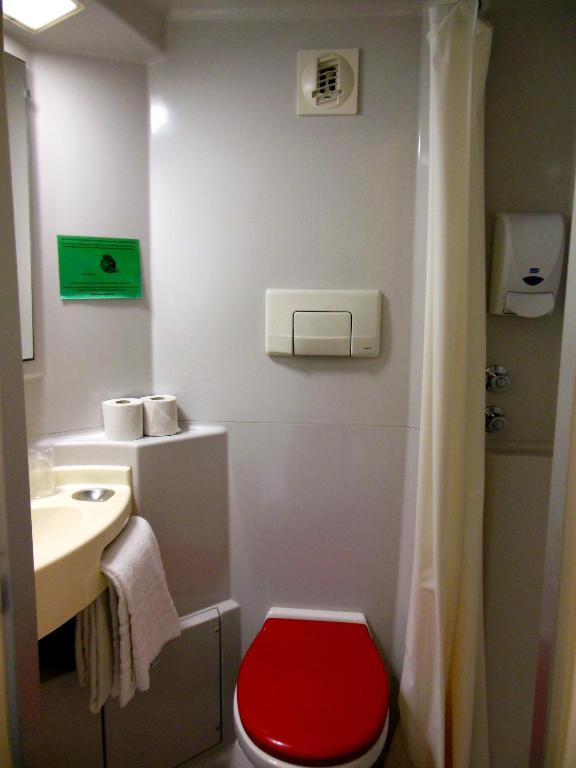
(143, 615)
(93, 649)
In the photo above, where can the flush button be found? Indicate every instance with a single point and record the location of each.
(322, 333)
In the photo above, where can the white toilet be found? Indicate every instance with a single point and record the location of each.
(312, 691)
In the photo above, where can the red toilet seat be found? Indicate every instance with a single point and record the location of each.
(313, 692)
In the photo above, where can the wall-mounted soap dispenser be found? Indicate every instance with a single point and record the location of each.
(527, 261)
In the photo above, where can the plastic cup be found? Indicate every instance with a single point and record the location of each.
(41, 469)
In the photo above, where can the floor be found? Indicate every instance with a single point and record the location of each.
(397, 756)
(233, 757)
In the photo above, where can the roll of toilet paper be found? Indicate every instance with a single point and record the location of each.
(123, 418)
(160, 415)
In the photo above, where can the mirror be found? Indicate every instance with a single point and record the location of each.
(16, 106)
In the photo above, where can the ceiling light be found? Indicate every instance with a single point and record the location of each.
(37, 15)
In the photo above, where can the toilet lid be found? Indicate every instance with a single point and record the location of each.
(313, 692)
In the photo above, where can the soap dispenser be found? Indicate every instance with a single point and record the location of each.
(527, 262)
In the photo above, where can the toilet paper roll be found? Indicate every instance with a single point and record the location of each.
(123, 418)
(160, 415)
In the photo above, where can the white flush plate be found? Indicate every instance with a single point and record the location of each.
(364, 307)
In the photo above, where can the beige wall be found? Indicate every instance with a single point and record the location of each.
(530, 117)
(5, 758)
(561, 737)
(16, 569)
(530, 150)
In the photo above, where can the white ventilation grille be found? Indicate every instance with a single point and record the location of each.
(328, 88)
(328, 82)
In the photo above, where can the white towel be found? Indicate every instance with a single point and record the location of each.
(143, 615)
(93, 647)
(122, 632)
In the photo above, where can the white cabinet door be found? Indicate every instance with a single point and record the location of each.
(179, 716)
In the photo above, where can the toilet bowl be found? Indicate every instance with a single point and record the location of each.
(312, 691)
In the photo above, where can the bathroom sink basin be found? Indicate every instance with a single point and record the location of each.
(69, 531)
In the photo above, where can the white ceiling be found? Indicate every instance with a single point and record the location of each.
(99, 30)
(191, 8)
(167, 5)
(133, 30)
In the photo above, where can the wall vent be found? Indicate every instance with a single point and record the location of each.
(328, 82)
(328, 86)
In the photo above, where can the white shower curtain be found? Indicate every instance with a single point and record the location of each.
(442, 692)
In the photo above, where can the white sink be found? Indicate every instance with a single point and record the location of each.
(69, 535)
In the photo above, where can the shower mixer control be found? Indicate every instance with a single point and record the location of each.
(496, 420)
(497, 378)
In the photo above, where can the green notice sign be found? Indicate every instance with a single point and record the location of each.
(99, 268)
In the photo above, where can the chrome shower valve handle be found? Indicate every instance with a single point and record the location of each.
(497, 378)
(496, 420)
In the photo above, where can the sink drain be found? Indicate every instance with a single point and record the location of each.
(93, 494)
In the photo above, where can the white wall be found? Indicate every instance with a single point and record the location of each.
(245, 196)
(90, 177)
